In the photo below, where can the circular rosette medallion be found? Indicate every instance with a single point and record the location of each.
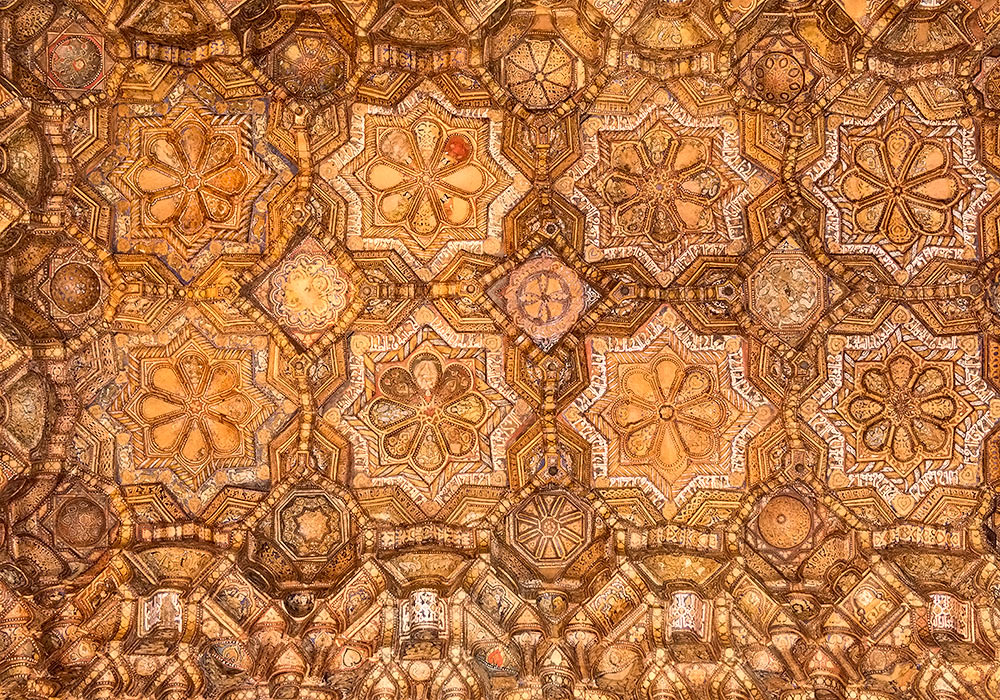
(545, 298)
(76, 62)
(308, 292)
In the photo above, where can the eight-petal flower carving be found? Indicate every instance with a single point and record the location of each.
(192, 408)
(663, 186)
(901, 186)
(190, 177)
(428, 415)
(550, 527)
(904, 410)
(426, 177)
(540, 72)
(669, 413)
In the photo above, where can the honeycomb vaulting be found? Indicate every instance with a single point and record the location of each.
(499, 349)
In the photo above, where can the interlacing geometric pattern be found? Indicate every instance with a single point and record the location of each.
(500, 349)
